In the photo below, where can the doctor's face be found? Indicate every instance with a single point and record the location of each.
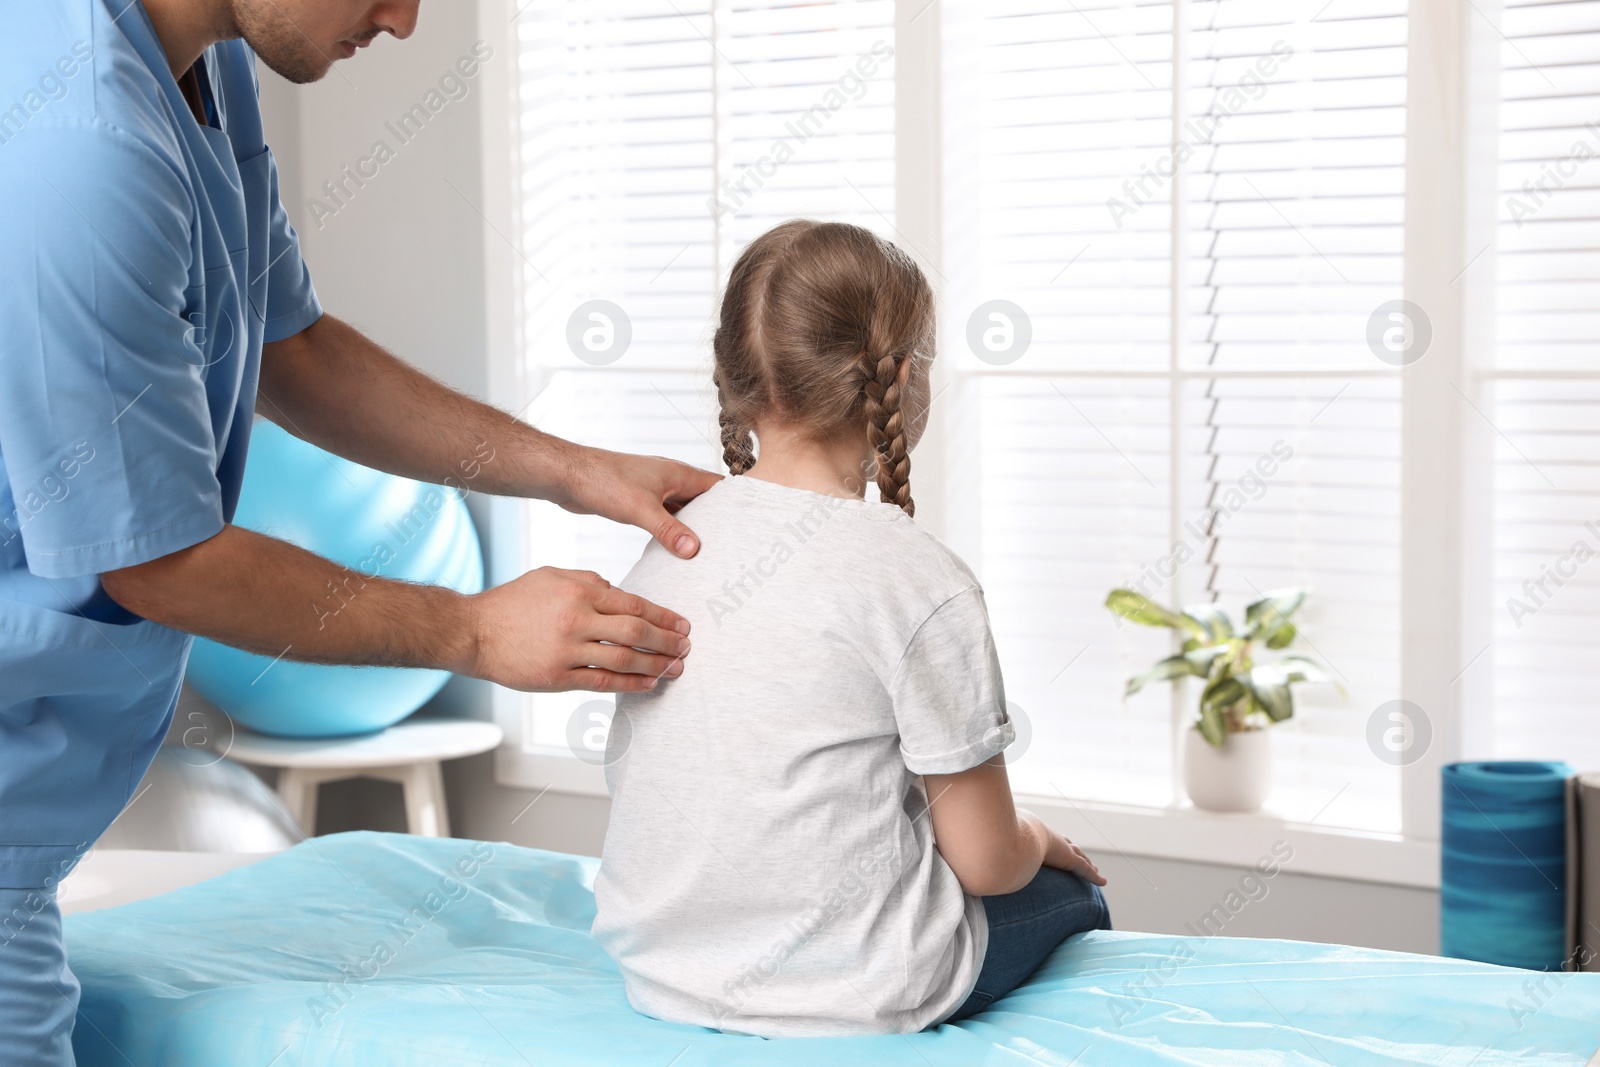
(301, 39)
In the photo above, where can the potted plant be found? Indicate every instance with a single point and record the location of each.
(1227, 758)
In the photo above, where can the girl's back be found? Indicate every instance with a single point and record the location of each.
(770, 865)
(773, 865)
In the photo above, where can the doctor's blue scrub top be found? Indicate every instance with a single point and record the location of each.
(144, 259)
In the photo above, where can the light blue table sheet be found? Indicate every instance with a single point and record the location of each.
(361, 949)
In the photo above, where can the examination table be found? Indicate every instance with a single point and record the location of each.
(365, 949)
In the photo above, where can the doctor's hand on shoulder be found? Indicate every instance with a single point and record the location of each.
(642, 491)
(643, 642)
(558, 645)
(553, 630)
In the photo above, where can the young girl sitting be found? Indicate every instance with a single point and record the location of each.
(811, 829)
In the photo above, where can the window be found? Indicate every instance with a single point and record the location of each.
(1254, 447)
(1073, 476)
(1172, 241)
(1547, 385)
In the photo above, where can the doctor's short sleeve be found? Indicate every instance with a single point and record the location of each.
(949, 700)
(106, 433)
(292, 303)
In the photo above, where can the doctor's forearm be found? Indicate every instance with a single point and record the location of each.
(548, 630)
(332, 386)
(267, 596)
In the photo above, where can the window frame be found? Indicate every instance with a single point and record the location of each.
(1446, 609)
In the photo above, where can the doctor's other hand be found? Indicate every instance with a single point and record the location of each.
(642, 491)
(554, 630)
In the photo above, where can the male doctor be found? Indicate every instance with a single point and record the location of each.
(152, 299)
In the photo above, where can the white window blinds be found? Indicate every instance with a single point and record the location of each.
(1254, 447)
(656, 140)
(1200, 408)
(1295, 236)
(1050, 112)
(1547, 392)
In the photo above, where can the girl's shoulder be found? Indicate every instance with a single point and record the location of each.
(773, 541)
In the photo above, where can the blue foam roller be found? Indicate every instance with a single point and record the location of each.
(1503, 867)
(375, 524)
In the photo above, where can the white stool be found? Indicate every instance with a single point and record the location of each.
(408, 752)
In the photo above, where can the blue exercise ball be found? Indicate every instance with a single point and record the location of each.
(377, 525)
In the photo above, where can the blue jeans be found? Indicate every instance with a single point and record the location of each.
(1028, 925)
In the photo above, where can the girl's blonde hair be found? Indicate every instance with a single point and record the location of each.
(816, 321)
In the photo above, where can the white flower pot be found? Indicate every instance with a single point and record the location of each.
(1235, 777)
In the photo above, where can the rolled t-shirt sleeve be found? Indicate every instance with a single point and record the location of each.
(949, 700)
(105, 428)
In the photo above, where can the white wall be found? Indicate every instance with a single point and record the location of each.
(401, 258)
(404, 261)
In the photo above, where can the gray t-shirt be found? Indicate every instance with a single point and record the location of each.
(770, 866)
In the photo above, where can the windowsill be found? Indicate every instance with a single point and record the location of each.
(1175, 833)
(1184, 832)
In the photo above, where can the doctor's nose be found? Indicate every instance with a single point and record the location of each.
(397, 17)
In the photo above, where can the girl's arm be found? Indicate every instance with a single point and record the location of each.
(994, 847)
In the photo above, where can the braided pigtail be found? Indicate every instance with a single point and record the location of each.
(886, 430)
(738, 445)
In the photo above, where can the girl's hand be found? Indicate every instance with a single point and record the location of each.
(1064, 855)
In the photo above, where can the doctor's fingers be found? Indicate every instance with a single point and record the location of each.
(618, 659)
(600, 680)
(626, 619)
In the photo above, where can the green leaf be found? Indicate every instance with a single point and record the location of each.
(1273, 610)
(1212, 726)
(1136, 607)
(1203, 657)
(1168, 669)
(1215, 621)
(1221, 693)
(1282, 637)
(1303, 669)
(1271, 691)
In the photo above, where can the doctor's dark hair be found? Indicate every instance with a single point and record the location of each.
(817, 319)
